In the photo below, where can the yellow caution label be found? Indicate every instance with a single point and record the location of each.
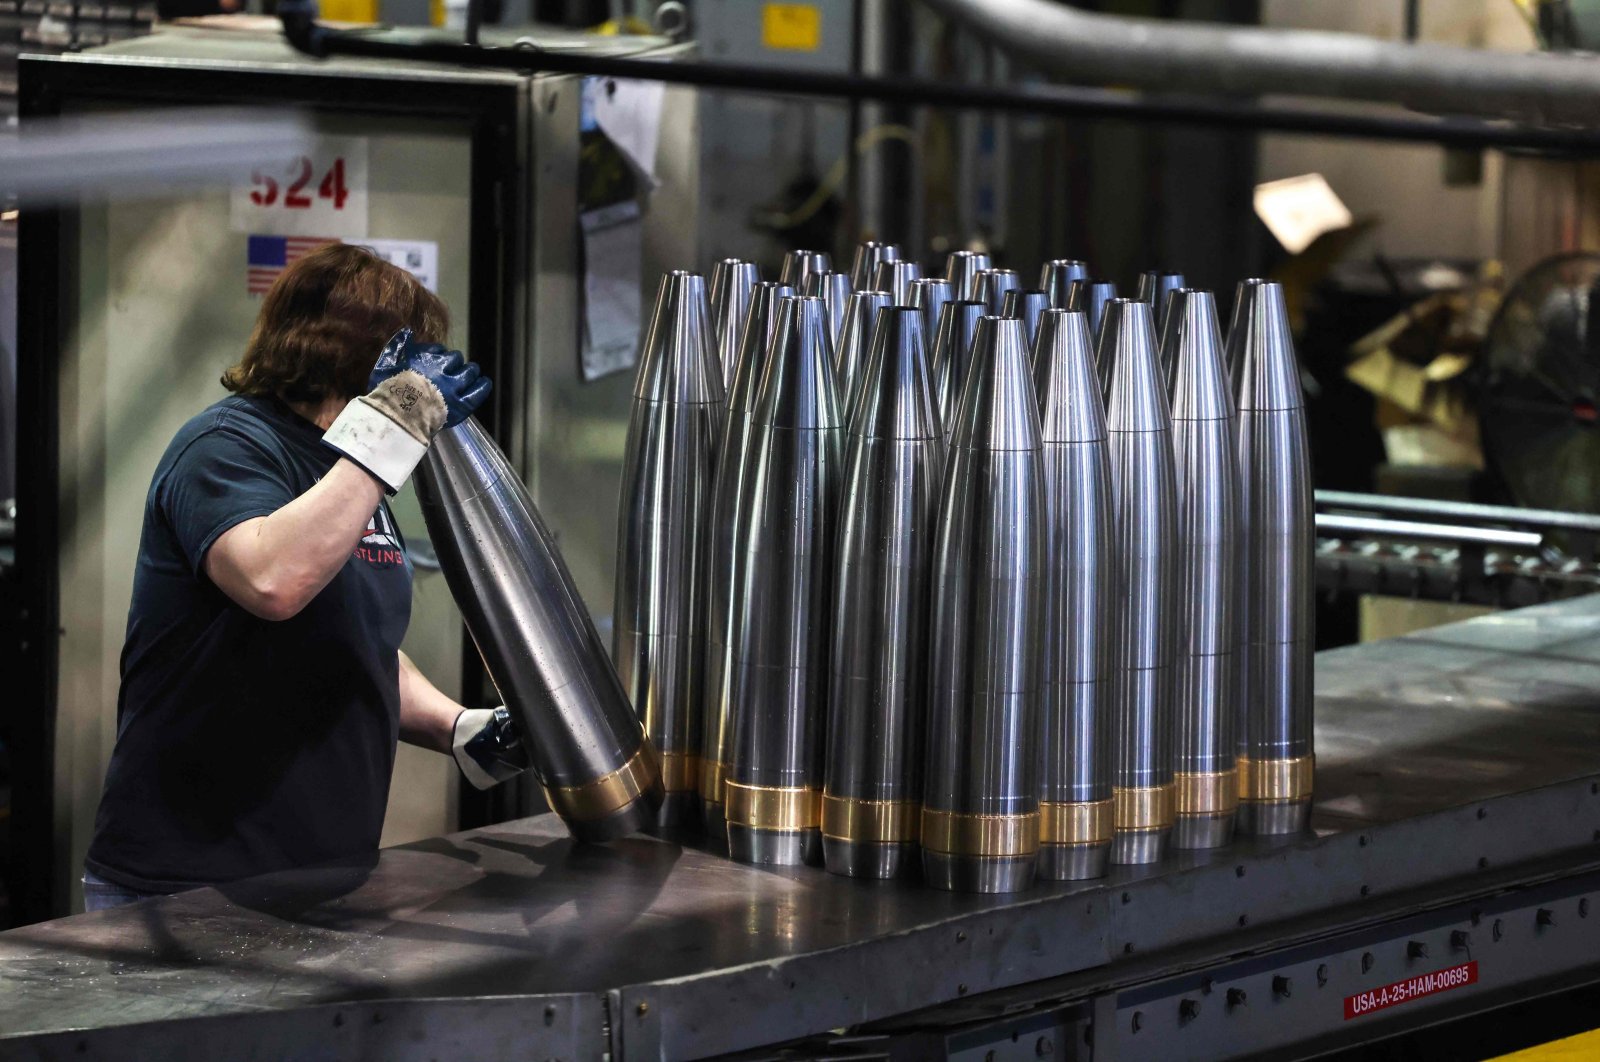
(791, 27)
(349, 10)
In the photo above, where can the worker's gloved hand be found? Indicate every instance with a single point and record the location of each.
(462, 385)
(416, 390)
(488, 747)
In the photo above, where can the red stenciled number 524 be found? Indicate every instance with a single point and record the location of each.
(266, 188)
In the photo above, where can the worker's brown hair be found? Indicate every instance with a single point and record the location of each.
(324, 321)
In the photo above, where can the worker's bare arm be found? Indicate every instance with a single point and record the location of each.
(272, 566)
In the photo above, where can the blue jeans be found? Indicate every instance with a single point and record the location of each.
(100, 894)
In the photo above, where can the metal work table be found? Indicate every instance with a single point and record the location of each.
(1458, 767)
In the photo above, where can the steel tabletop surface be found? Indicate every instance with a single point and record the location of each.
(1439, 754)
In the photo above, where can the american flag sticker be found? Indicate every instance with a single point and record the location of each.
(266, 257)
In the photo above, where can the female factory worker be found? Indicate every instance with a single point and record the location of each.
(263, 686)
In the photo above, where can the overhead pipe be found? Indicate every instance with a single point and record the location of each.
(1085, 48)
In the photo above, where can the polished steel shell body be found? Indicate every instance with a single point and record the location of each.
(865, 265)
(929, 295)
(834, 291)
(952, 356)
(1206, 701)
(540, 647)
(1076, 632)
(731, 283)
(1057, 276)
(961, 270)
(980, 819)
(872, 794)
(1276, 754)
(855, 344)
(726, 562)
(664, 534)
(1144, 493)
(896, 278)
(992, 287)
(783, 601)
(1026, 304)
(798, 265)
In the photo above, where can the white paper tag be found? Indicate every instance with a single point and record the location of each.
(420, 258)
(613, 250)
(1299, 209)
(629, 114)
(322, 193)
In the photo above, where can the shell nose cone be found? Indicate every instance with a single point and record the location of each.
(1091, 297)
(1026, 304)
(1244, 300)
(999, 408)
(1070, 407)
(896, 395)
(992, 287)
(865, 265)
(952, 354)
(855, 342)
(754, 343)
(962, 269)
(896, 278)
(797, 389)
(834, 291)
(1269, 373)
(678, 363)
(1127, 351)
(797, 265)
(731, 281)
(1167, 332)
(1200, 389)
(1155, 288)
(929, 295)
(1057, 275)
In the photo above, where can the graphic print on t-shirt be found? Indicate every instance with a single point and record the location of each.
(380, 545)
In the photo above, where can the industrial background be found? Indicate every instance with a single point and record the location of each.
(1419, 176)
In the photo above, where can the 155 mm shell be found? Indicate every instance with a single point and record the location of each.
(980, 813)
(1276, 754)
(726, 562)
(1077, 632)
(663, 537)
(589, 751)
(1206, 690)
(783, 600)
(1144, 494)
(872, 795)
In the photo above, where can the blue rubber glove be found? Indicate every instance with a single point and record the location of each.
(462, 384)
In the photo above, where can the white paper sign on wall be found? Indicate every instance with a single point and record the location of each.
(320, 193)
(420, 258)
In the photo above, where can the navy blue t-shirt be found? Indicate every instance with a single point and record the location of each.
(245, 745)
